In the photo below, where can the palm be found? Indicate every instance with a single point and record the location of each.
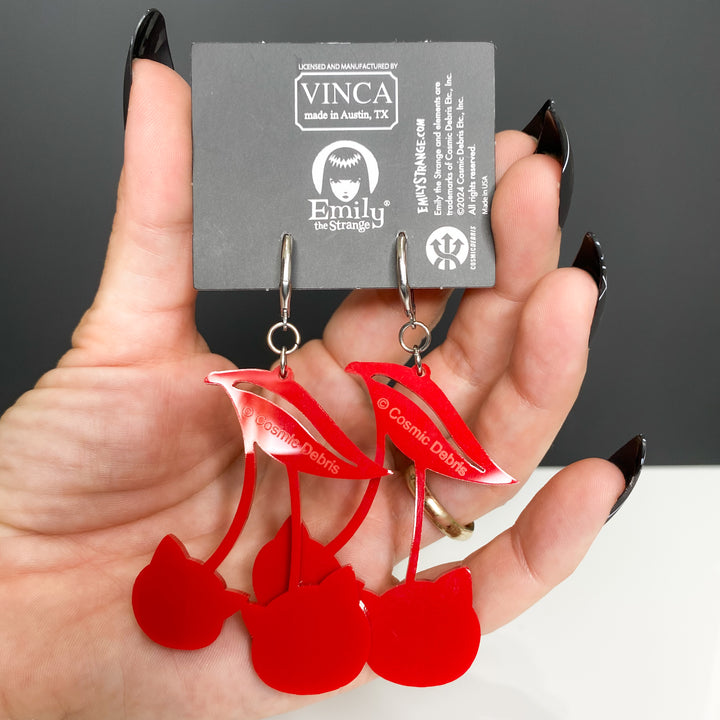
(122, 444)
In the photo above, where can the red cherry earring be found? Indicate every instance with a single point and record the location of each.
(309, 629)
(401, 649)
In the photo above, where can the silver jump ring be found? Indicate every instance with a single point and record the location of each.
(425, 342)
(284, 326)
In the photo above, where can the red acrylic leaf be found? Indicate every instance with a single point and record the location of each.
(283, 437)
(179, 602)
(312, 639)
(424, 633)
(271, 571)
(416, 434)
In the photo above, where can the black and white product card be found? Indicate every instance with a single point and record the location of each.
(343, 146)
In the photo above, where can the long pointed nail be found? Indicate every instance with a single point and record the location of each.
(149, 42)
(590, 258)
(553, 140)
(630, 458)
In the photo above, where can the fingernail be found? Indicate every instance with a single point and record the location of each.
(590, 258)
(630, 458)
(149, 42)
(553, 140)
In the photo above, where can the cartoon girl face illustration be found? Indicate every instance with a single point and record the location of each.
(345, 189)
(345, 170)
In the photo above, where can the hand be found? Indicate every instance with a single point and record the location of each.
(122, 443)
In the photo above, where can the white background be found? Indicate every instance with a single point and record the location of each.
(633, 634)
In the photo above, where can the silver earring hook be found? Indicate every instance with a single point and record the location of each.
(408, 299)
(285, 276)
(406, 292)
(285, 291)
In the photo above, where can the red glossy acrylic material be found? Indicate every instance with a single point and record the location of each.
(424, 633)
(179, 602)
(271, 570)
(310, 634)
(281, 436)
(309, 629)
(419, 437)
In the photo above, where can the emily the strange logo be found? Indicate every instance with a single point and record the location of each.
(345, 175)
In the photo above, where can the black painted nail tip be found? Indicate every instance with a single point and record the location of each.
(630, 459)
(534, 127)
(590, 258)
(149, 42)
(547, 127)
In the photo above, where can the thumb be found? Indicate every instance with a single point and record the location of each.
(145, 306)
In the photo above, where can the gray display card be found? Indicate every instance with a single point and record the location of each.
(343, 146)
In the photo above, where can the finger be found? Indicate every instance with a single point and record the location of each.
(511, 146)
(527, 242)
(145, 304)
(529, 403)
(529, 333)
(547, 542)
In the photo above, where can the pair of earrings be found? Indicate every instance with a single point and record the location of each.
(313, 624)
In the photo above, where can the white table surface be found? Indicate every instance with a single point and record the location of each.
(634, 633)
